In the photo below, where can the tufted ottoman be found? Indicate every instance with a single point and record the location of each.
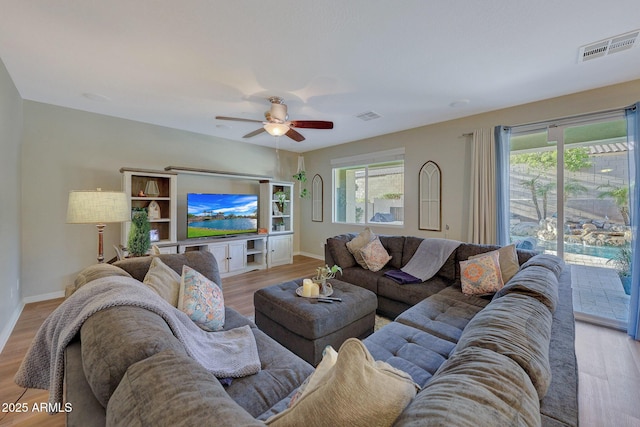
(306, 326)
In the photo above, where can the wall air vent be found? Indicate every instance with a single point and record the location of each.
(607, 47)
(368, 115)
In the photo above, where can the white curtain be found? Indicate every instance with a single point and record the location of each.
(482, 218)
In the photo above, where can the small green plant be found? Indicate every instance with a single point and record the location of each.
(281, 198)
(139, 241)
(622, 261)
(302, 177)
(326, 272)
(392, 196)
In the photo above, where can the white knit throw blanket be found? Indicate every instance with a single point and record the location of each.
(430, 257)
(231, 353)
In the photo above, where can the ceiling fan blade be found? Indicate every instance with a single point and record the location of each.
(296, 136)
(312, 124)
(254, 133)
(237, 119)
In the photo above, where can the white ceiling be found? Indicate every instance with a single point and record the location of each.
(179, 64)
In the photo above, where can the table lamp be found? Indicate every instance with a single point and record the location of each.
(97, 207)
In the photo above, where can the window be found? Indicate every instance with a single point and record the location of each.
(369, 193)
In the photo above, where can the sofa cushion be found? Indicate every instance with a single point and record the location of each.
(475, 387)
(445, 314)
(201, 261)
(411, 350)
(364, 278)
(536, 282)
(163, 280)
(357, 243)
(339, 252)
(550, 262)
(518, 327)
(91, 273)
(281, 372)
(357, 391)
(374, 255)
(115, 338)
(170, 388)
(481, 275)
(395, 247)
(410, 294)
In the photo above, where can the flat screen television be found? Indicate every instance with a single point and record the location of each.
(219, 215)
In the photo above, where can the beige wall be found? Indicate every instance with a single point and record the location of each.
(65, 149)
(444, 144)
(10, 137)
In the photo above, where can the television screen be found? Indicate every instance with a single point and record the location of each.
(211, 215)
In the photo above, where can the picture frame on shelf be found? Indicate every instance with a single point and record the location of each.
(154, 235)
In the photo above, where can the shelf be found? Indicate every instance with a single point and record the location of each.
(134, 181)
(143, 199)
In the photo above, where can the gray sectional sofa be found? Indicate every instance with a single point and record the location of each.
(530, 322)
(480, 361)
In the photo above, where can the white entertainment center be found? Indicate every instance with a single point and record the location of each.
(272, 246)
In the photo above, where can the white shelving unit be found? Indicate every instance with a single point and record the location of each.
(235, 255)
(135, 181)
(276, 215)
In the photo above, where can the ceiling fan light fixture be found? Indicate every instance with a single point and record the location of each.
(276, 129)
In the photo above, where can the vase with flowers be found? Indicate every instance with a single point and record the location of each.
(322, 275)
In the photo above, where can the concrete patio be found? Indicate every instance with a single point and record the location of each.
(598, 295)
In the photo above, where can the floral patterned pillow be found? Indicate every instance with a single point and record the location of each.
(202, 300)
(481, 275)
(375, 255)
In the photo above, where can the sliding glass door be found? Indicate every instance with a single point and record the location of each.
(569, 195)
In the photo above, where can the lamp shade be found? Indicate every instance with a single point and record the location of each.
(97, 207)
(276, 129)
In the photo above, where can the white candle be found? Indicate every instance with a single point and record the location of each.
(307, 286)
(315, 289)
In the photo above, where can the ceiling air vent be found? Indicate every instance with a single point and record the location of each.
(608, 47)
(368, 115)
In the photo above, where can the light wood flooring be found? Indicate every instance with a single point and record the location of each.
(608, 360)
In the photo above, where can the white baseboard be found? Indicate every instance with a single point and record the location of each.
(6, 331)
(310, 255)
(43, 297)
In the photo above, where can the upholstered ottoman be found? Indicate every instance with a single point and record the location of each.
(306, 326)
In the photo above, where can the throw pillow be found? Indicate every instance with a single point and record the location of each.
(359, 242)
(509, 264)
(202, 300)
(375, 255)
(357, 391)
(163, 280)
(329, 357)
(481, 275)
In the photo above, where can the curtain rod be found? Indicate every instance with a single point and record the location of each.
(551, 122)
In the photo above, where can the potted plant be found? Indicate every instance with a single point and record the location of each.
(323, 274)
(302, 177)
(139, 240)
(622, 264)
(281, 199)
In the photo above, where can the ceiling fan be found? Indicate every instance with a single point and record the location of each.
(277, 122)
